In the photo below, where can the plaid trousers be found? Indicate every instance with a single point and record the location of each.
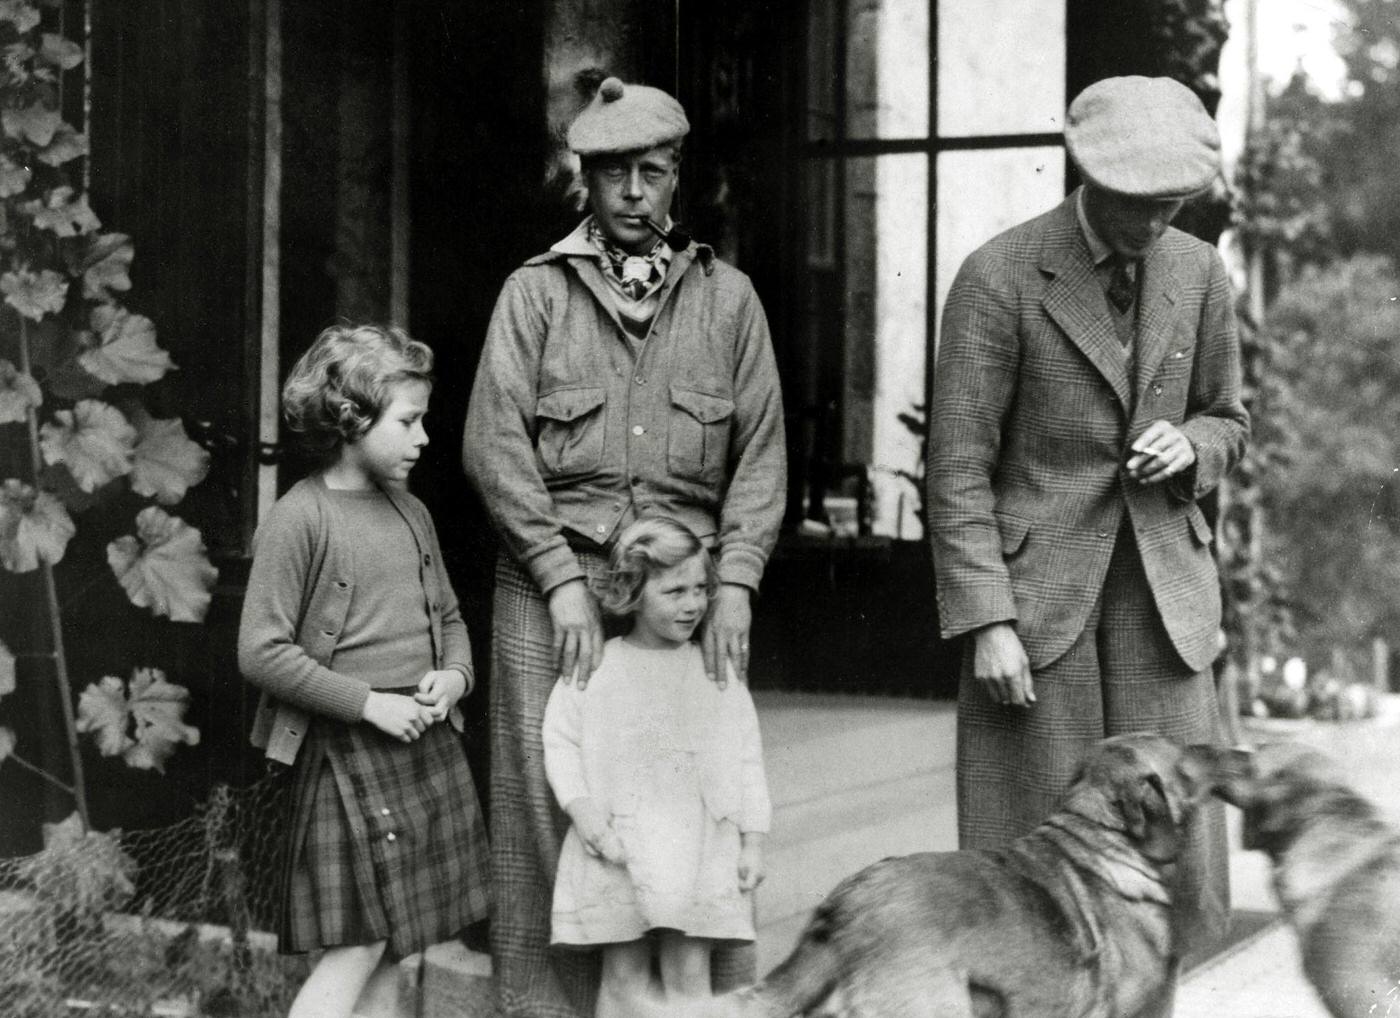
(1121, 675)
(527, 825)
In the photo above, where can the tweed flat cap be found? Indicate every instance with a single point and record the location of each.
(1143, 137)
(626, 118)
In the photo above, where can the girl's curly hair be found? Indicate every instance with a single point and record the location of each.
(644, 549)
(340, 386)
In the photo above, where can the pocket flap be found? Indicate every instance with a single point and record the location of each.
(701, 405)
(1013, 532)
(569, 404)
(1199, 526)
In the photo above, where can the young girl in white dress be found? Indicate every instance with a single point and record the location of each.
(660, 770)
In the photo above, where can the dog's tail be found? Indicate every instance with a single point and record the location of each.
(803, 983)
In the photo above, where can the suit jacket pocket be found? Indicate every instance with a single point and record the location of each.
(699, 441)
(571, 426)
(1014, 530)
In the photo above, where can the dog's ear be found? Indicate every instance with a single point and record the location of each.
(1152, 817)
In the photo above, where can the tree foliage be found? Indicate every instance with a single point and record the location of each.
(1332, 409)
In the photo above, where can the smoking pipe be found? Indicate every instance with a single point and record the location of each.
(677, 238)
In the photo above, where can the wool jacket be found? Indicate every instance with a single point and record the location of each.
(574, 430)
(1034, 412)
(299, 591)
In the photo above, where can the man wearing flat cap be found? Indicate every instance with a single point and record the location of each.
(1087, 394)
(623, 376)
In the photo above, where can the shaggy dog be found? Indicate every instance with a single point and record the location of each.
(1073, 920)
(1336, 871)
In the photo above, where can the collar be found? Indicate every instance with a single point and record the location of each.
(1098, 250)
(578, 241)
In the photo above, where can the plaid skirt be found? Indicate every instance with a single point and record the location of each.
(1122, 675)
(387, 841)
(527, 825)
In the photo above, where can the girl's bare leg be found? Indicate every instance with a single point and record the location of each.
(626, 988)
(335, 984)
(685, 967)
(380, 997)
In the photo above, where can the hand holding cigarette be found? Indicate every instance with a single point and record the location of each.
(1160, 452)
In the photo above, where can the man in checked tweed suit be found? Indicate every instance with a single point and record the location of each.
(1086, 395)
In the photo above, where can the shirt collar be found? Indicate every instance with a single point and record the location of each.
(579, 243)
(1098, 250)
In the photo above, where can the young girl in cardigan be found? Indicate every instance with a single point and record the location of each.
(351, 629)
(660, 770)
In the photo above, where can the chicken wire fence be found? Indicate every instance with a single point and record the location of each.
(170, 922)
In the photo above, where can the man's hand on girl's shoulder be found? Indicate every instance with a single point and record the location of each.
(726, 635)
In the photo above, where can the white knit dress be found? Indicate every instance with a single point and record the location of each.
(677, 765)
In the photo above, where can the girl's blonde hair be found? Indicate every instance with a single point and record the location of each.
(340, 386)
(645, 548)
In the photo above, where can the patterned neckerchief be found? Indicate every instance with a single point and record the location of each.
(634, 275)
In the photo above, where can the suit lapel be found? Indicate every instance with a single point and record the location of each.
(1157, 312)
(1074, 299)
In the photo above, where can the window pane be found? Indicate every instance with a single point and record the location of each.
(821, 70)
(887, 58)
(1001, 67)
(886, 238)
(982, 193)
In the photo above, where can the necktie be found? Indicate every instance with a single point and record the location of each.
(1122, 286)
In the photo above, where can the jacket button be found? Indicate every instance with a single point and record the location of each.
(1103, 533)
(427, 560)
(1157, 389)
(391, 836)
(384, 812)
(637, 429)
(640, 380)
(600, 529)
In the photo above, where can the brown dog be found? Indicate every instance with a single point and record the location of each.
(1072, 920)
(1336, 870)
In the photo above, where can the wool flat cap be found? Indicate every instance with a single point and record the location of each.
(626, 118)
(1143, 137)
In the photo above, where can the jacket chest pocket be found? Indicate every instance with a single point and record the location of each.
(571, 426)
(699, 440)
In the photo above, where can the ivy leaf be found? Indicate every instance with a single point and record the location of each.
(157, 712)
(167, 463)
(102, 712)
(128, 351)
(18, 392)
(34, 294)
(14, 178)
(107, 265)
(62, 53)
(164, 567)
(93, 440)
(7, 672)
(34, 124)
(62, 213)
(20, 14)
(33, 526)
(67, 145)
